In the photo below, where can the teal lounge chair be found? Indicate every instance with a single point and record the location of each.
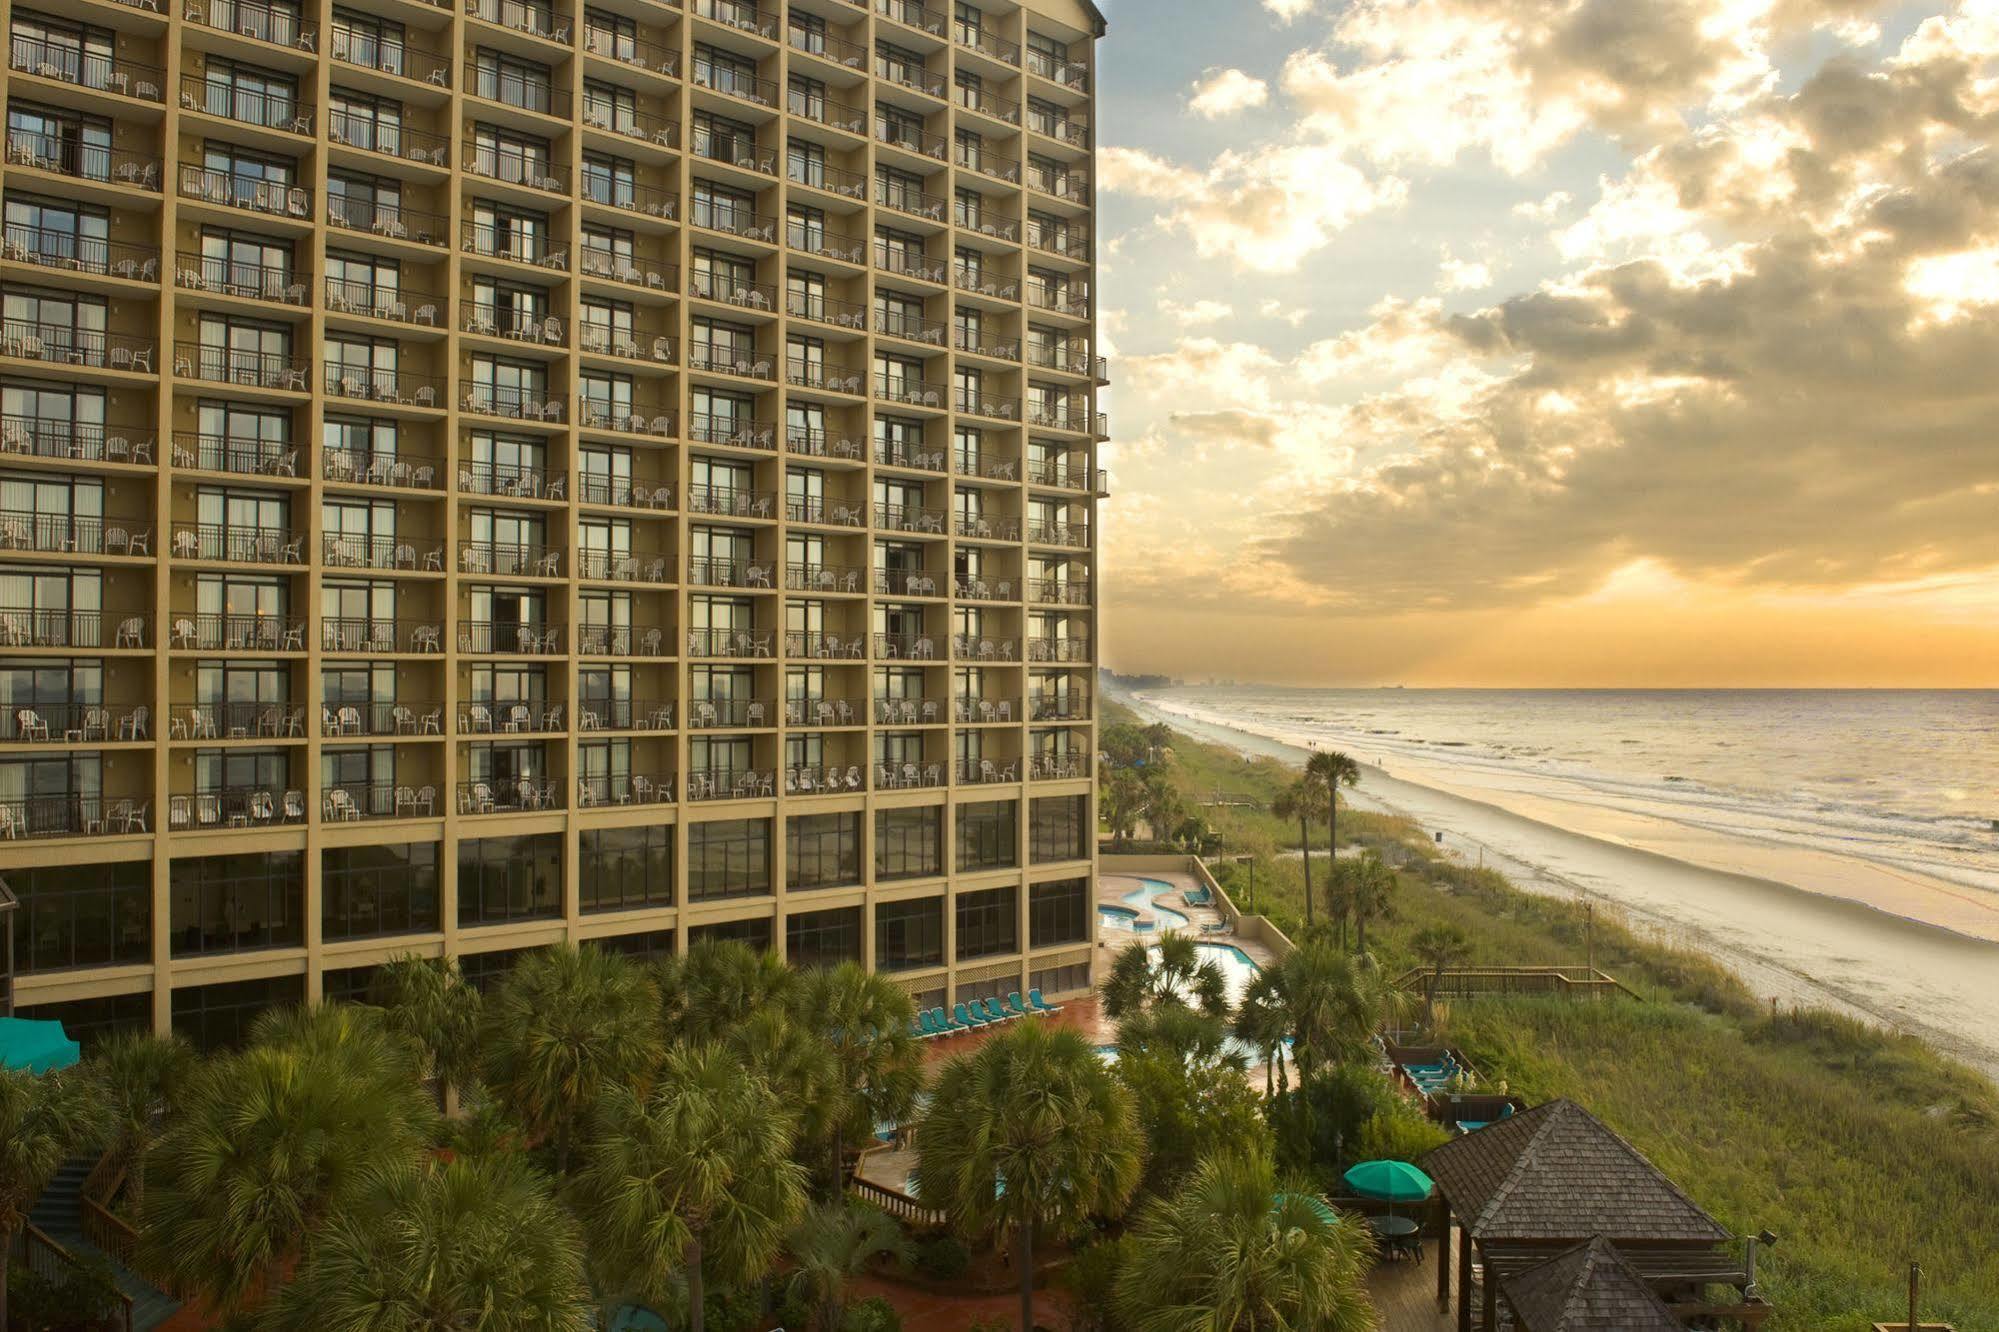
(946, 1024)
(966, 1019)
(995, 1013)
(926, 1024)
(1015, 1007)
(1041, 1005)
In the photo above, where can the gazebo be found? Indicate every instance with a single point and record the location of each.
(1589, 1287)
(1535, 1185)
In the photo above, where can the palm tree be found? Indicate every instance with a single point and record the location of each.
(563, 1025)
(1442, 946)
(1373, 886)
(1263, 1022)
(1334, 1003)
(864, 1020)
(139, 1075)
(832, 1244)
(268, 1143)
(430, 1001)
(1029, 1130)
(433, 1246)
(723, 981)
(1236, 1247)
(1169, 973)
(692, 1176)
(1124, 801)
(1304, 800)
(1334, 770)
(44, 1120)
(786, 1052)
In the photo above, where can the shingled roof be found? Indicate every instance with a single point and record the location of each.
(1584, 1289)
(1556, 1173)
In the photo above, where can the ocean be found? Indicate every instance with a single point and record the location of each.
(1905, 780)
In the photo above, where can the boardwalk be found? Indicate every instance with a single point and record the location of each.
(1406, 1293)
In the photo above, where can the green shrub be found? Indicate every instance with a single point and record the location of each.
(942, 1258)
(1399, 1134)
(873, 1314)
(83, 1299)
(1090, 1279)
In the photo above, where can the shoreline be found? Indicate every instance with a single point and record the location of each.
(1786, 943)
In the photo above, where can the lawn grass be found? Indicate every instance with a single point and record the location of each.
(1859, 1148)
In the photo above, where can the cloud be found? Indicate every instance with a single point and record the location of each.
(1225, 92)
(1275, 309)
(1289, 11)
(1455, 274)
(1199, 312)
(1545, 209)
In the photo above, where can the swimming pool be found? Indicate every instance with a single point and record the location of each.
(1142, 900)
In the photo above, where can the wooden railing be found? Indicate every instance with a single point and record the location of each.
(1570, 982)
(897, 1204)
(100, 1225)
(52, 1262)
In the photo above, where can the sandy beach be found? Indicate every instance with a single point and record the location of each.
(1786, 942)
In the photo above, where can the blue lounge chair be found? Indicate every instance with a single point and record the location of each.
(941, 1022)
(995, 1013)
(1041, 1005)
(966, 1019)
(926, 1023)
(1015, 1007)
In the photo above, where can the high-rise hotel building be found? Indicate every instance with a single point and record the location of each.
(481, 474)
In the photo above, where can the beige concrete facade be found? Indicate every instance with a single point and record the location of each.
(454, 424)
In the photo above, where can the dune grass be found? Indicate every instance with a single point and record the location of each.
(1859, 1148)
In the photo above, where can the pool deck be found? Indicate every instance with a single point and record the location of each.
(1111, 891)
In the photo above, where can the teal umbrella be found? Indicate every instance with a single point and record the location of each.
(1394, 1181)
(39, 1047)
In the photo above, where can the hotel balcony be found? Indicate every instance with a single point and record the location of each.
(730, 714)
(731, 501)
(237, 545)
(277, 26)
(632, 52)
(244, 193)
(536, 173)
(825, 712)
(635, 270)
(739, 15)
(394, 56)
(643, 494)
(512, 404)
(632, 789)
(834, 779)
(1060, 709)
(918, 266)
(985, 711)
(75, 441)
(399, 222)
(542, 22)
(74, 724)
(67, 252)
(1059, 591)
(73, 814)
(98, 71)
(1057, 767)
(913, 202)
(826, 579)
(77, 348)
(379, 635)
(732, 432)
(115, 168)
(986, 772)
(210, 631)
(731, 784)
(496, 638)
(41, 627)
(1070, 300)
(511, 719)
(274, 371)
(1076, 536)
(401, 718)
(735, 150)
(599, 640)
(402, 469)
(350, 802)
(649, 419)
(986, 589)
(237, 807)
(985, 526)
(984, 647)
(624, 714)
(235, 721)
(636, 343)
(751, 575)
(509, 559)
(826, 243)
(400, 305)
(820, 646)
(1076, 650)
(65, 534)
(520, 796)
(910, 518)
(828, 111)
(625, 566)
(340, 550)
(986, 102)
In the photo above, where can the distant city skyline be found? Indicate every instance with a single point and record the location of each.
(1514, 342)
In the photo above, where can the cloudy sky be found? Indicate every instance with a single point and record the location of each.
(1564, 342)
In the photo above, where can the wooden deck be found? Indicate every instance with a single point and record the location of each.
(1405, 1292)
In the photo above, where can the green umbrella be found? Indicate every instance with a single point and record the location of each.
(39, 1047)
(1394, 1181)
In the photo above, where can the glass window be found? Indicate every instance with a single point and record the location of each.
(909, 934)
(908, 842)
(509, 878)
(374, 890)
(728, 858)
(821, 850)
(626, 869)
(1059, 913)
(988, 923)
(987, 835)
(229, 904)
(823, 938)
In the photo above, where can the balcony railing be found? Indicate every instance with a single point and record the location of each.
(816, 239)
(975, 219)
(1059, 709)
(72, 534)
(914, 202)
(246, 105)
(636, 566)
(984, 647)
(350, 551)
(40, 627)
(68, 815)
(824, 110)
(1071, 185)
(748, 294)
(517, 796)
(351, 801)
(823, 646)
(987, 163)
(1076, 535)
(534, 19)
(507, 88)
(222, 453)
(908, 74)
(733, 150)
(603, 640)
(623, 714)
(626, 343)
(986, 527)
(729, 573)
(732, 431)
(986, 589)
(1072, 301)
(824, 712)
(967, 278)
(346, 633)
(511, 166)
(510, 559)
(90, 441)
(816, 442)
(221, 631)
(280, 25)
(911, 140)
(908, 776)
(236, 721)
(389, 55)
(731, 501)
(912, 14)
(832, 780)
(511, 480)
(829, 512)
(995, 405)
(393, 140)
(1058, 649)
(237, 545)
(346, 296)
(731, 83)
(70, 723)
(910, 392)
(635, 789)
(735, 222)
(401, 468)
(64, 156)
(628, 122)
(825, 578)
(1068, 73)
(740, 15)
(626, 418)
(515, 404)
(66, 344)
(389, 221)
(744, 362)
(998, 348)
(62, 248)
(509, 638)
(258, 282)
(903, 647)
(255, 194)
(737, 644)
(627, 50)
(985, 772)
(910, 518)
(904, 583)
(708, 714)
(624, 492)
(984, 710)
(405, 388)
(919, 266)
(1057, 767)
(626, 193)
(907, 711)
(987, 43)
(516, 322)
(510, 718)
(1058, 591)
(731, 784)
(101, 71)
(1062, 129)
(599, 262)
